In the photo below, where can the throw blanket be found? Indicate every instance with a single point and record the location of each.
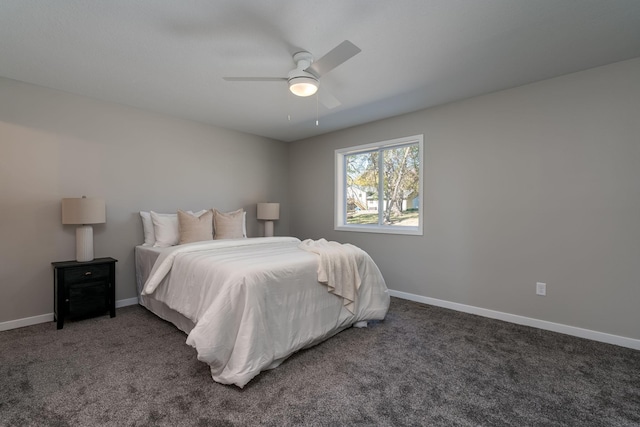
(337, 268)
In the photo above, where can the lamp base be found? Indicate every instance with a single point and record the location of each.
(268, 229)
(84, 243)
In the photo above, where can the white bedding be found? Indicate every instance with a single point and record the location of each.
(254, 302)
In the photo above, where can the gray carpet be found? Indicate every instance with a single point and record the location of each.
(423, 365)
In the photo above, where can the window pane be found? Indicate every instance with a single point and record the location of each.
(361, 188)
(378, 187)
(401, 186)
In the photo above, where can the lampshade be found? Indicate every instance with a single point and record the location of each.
(303, 86)
(83, 211)
(268, 211)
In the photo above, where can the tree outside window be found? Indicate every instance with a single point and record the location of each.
(379, 187)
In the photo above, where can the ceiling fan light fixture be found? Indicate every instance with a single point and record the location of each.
(303, 86)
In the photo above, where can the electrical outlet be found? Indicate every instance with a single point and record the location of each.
(541, 288)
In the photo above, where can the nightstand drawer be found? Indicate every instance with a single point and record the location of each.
(88, 273)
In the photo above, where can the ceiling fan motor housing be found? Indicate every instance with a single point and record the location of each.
(301, 82)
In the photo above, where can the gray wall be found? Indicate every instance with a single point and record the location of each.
(536, 183)
(55, 145)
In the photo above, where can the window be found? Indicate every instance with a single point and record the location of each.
(379, 187)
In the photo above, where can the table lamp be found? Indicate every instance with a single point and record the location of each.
(268, 212)
(84, 212)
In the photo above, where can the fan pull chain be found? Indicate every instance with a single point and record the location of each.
(317, 122)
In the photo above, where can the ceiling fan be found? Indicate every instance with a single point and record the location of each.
(304, 80)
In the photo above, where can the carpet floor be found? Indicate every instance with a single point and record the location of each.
(422, 365)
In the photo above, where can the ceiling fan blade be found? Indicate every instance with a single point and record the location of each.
(335, 57)
(255, 79)
(328, 100)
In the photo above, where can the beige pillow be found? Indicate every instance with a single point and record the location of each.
(193, 228)
(228, 225)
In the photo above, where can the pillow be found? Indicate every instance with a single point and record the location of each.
(228, 225)
(165, 227)
(147, 228)
(194, 228)
(244, 220)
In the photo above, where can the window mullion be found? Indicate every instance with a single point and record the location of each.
(344, 190)
(380, 187)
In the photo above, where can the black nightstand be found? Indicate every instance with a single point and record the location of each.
(84, 289)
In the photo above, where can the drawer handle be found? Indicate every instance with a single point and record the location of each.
(88, 273)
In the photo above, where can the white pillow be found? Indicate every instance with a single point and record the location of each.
(147, 228)
(165, 227)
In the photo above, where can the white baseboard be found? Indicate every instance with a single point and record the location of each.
(27, 321)
(44, 318)
(521, 320)
(126, 302)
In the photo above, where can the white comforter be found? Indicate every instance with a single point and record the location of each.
(254, 302)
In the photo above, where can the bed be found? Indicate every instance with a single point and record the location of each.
(248, 304)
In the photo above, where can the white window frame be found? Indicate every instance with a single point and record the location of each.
(340, 207)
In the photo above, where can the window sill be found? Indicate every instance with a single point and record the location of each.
(392, 229)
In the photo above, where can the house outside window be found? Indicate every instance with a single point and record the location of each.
(379, 187)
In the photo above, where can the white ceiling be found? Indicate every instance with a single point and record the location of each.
(170, 56)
